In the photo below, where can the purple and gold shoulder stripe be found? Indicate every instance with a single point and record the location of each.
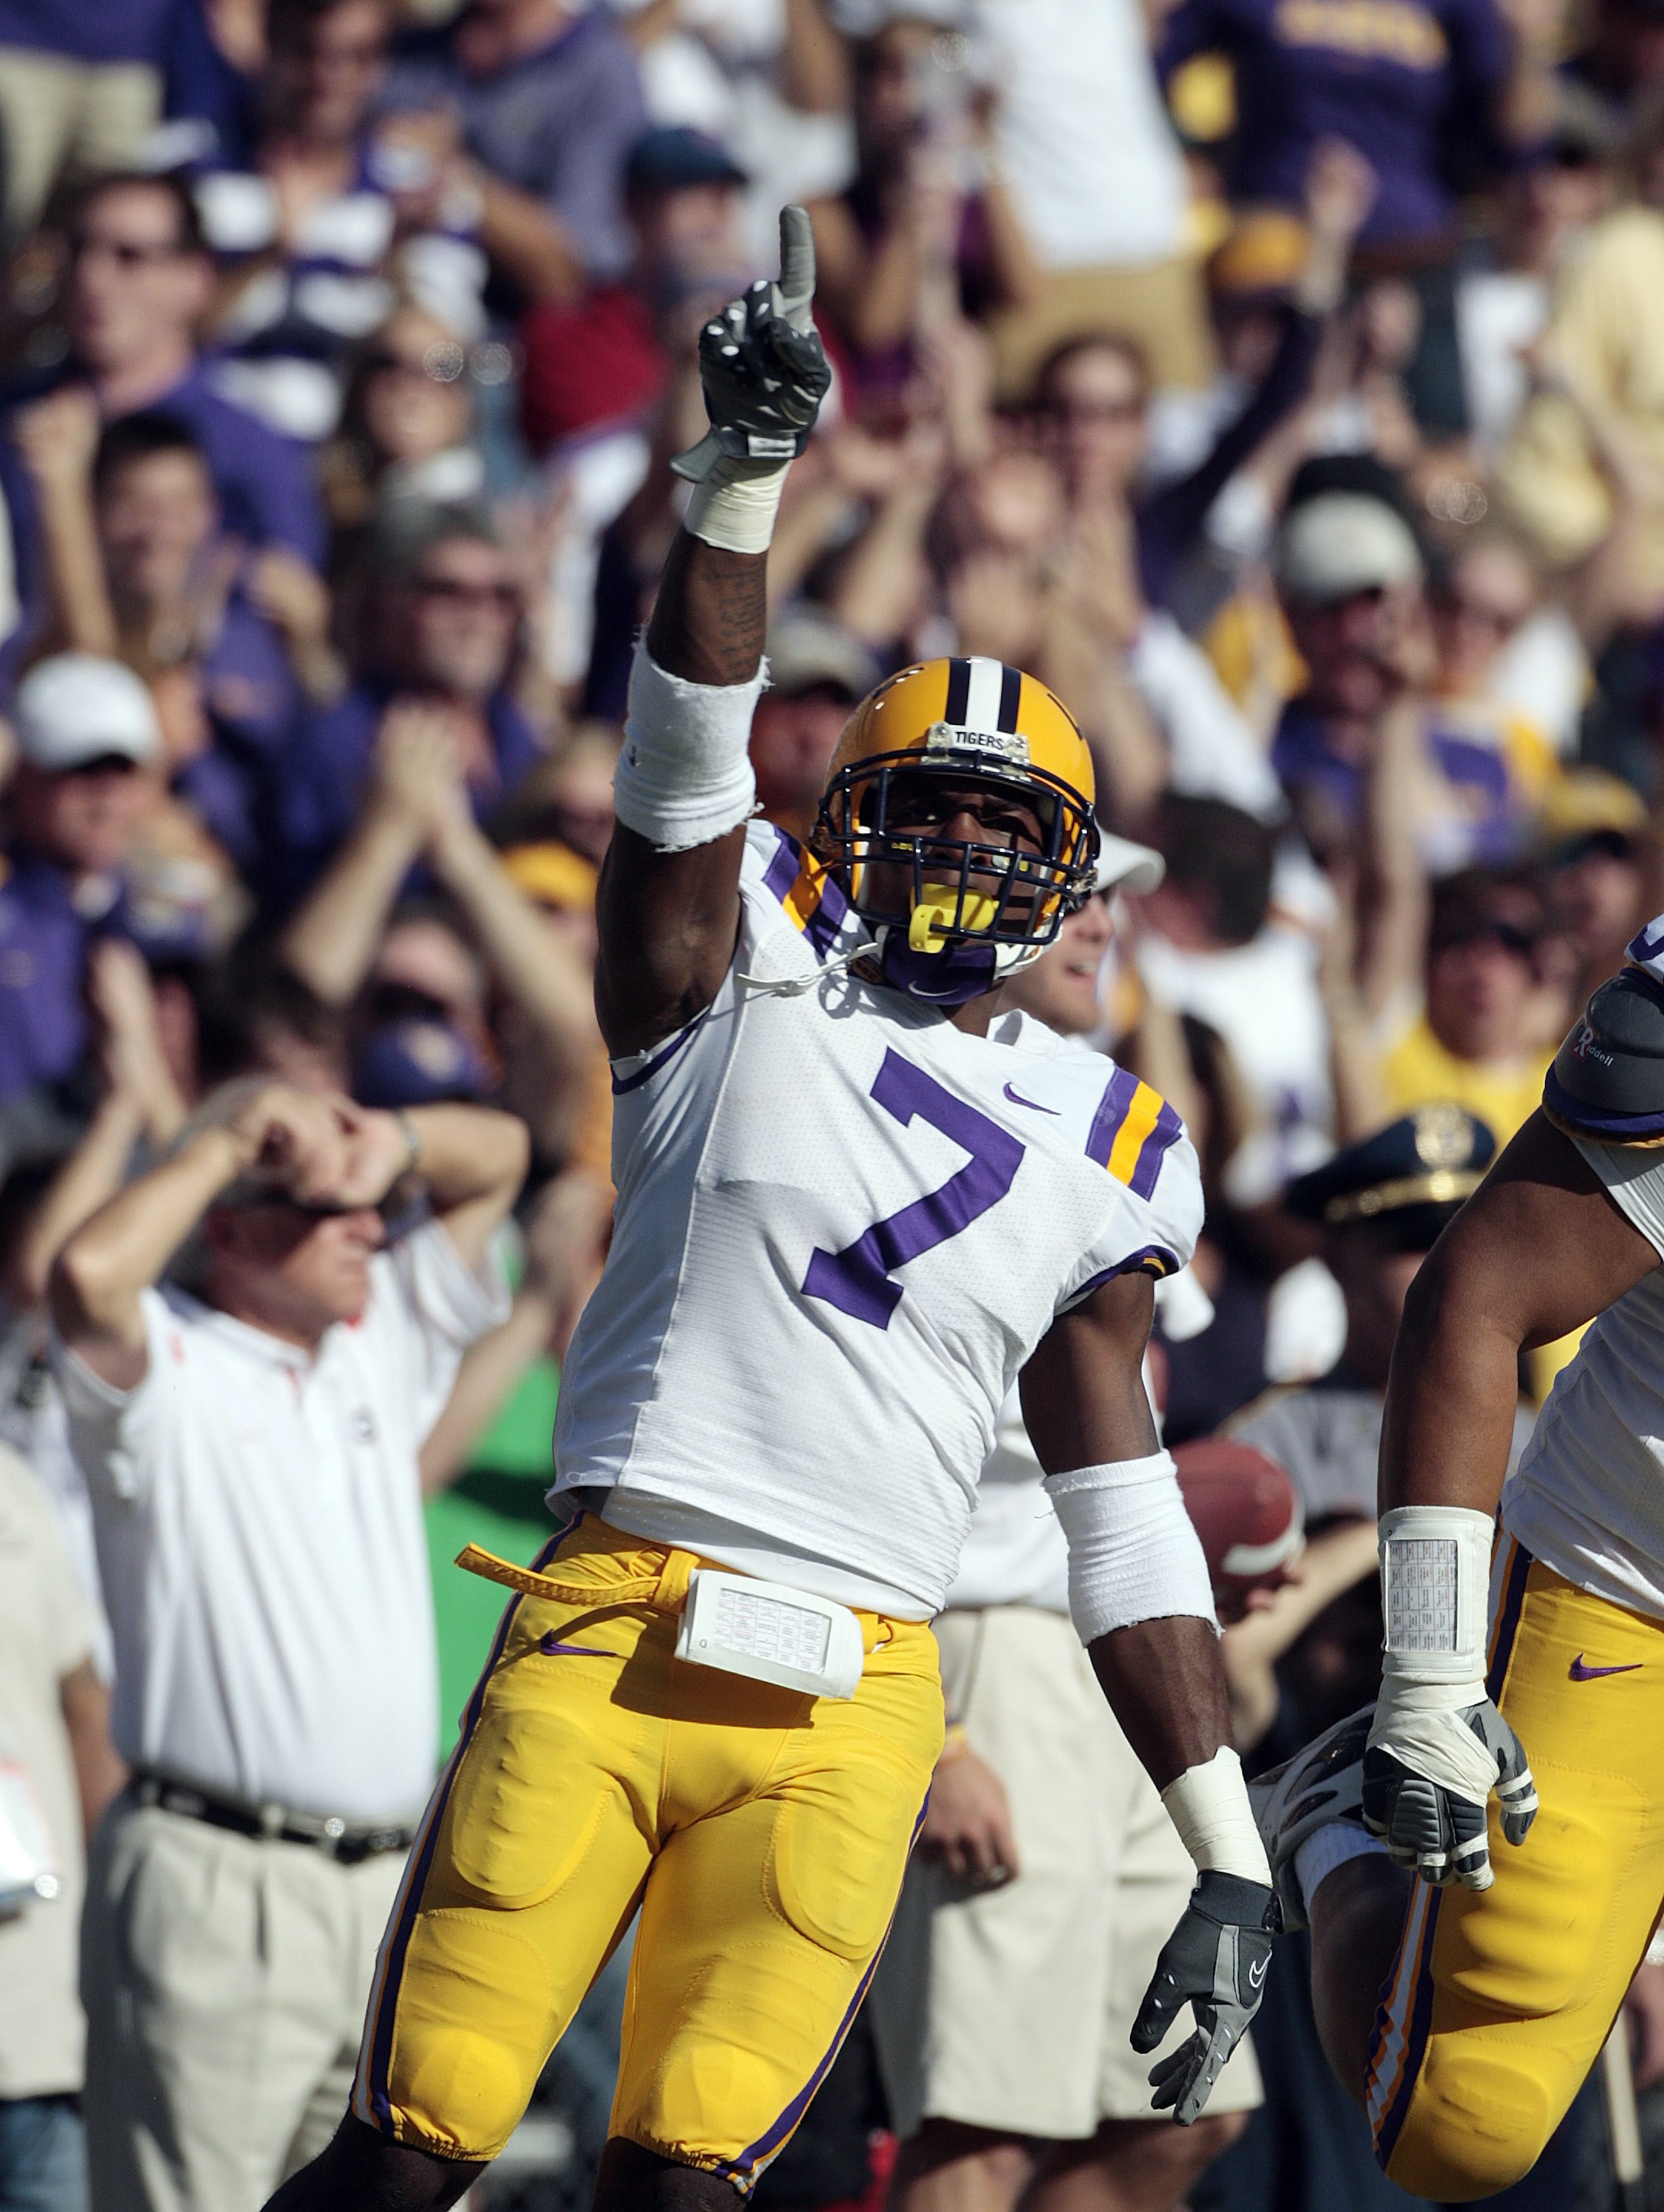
(813, 901)
(1132, 1132)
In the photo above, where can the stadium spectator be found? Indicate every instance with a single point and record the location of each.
(607, 358)
(332, 217)
(817, 671)
(542, 98)
(139, 281)
(229, 641)
(54, 1740)
(1484, 1036)
(440, 624)
(86, 730)
(251, 1448)
(1399, 93)
(770, 80)
(1097, 181)
(906, 233)
(416, 977)
(407, 428)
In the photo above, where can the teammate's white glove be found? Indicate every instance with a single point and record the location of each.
(1217, 1958)
(1439, 1747)
(762, 364)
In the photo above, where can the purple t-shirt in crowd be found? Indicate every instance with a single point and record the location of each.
(264, 482)
(559, 124)
(323, 775)
(43, 936)
(1391, 77)
(90, 30)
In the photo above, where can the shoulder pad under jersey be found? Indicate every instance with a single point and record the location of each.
(1607, 1079)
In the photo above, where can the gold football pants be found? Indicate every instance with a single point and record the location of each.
(762, 1832)
(1500, 1999)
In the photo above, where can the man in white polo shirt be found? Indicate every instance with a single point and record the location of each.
(251, 1448)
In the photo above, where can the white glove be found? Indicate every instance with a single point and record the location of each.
(1439, 1747)
(764, 374)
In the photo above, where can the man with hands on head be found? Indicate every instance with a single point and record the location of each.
(250, 1443)
(858, 1196)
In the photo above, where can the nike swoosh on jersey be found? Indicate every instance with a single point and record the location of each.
(1580, 1673)
(1032, 1104)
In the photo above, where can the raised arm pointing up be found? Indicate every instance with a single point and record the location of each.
(669, 907)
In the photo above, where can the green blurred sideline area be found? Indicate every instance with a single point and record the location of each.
(498, 1504)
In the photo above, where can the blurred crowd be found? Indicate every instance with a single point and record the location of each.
(1282, 384)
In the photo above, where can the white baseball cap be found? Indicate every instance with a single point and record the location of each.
(1344, 542)
(78, 706)
(1125, 866)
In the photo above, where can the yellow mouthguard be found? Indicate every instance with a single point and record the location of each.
(935, 915)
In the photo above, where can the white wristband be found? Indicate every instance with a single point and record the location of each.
(1209, 1806)
(734, 505)
(1133, 1552)
(1434, 1575)
(685, 776)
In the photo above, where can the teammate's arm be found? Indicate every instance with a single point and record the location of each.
(1539, 1249)
(1141, 1602)
(669, 902)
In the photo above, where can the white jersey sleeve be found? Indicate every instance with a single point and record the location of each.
(1634, 1177)
(1153, 1213)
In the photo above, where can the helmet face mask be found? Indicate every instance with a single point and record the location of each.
(958, 818)
(882, 825)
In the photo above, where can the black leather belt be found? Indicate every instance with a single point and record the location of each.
(338, 1839)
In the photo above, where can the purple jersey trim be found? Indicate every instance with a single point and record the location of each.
(1112, 1109)
(1591, 1122)
(1166, 1133)
(669, 1052)
(1149, 1260)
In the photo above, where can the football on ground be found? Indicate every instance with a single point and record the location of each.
(1247, 1512)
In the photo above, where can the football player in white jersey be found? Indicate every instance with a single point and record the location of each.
(1476, 1920)
(858, 1198)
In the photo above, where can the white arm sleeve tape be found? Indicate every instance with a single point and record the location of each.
(1434, 1572)
(684, 776)
(1133, 1552)
(734, 505)
(1209, 1806)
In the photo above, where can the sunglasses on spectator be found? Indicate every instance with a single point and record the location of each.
(125, 253)
(458, 592)
(440, 364)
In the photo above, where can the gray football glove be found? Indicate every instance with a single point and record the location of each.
(762, 364)
(1217, 1958)
(1427, 1777)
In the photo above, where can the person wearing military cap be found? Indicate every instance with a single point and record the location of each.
(1381, 1203)
(1466, 2009)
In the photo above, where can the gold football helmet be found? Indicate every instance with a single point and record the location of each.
(965, 913)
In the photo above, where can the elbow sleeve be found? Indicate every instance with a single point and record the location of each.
(1133, 1552)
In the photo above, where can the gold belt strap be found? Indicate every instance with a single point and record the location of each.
(667, 1588)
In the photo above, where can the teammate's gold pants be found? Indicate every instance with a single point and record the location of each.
(1500, 1999)
(762, 1832)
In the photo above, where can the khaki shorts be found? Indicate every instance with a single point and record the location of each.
(1161, 306)
(1011, 2009)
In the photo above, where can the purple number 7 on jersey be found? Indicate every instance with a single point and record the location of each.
(857, 1279)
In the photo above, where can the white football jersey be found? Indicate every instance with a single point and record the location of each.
(843, 1225)
(1588, 1497)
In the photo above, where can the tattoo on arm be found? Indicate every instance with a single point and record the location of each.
(711, 613)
